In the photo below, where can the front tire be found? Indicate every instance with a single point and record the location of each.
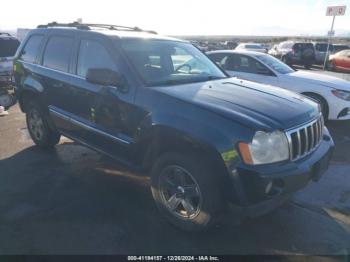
(185, 191)
(307, 66)
(330, 66)
(38, 127)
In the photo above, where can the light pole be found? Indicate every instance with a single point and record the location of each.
(332, 11)
(330, 34)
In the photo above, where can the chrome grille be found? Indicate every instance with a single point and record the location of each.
(305, 139)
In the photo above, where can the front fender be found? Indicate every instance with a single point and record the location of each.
(210, 133)
(211, 140)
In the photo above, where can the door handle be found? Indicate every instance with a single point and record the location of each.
(114, 88)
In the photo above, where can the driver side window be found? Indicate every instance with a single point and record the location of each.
(92, 54)
(261, 69)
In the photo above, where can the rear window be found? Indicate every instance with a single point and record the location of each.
(303, 46)
(216, 57)
(323, 47)
(8, 47)
(57, 53)
(31, 49)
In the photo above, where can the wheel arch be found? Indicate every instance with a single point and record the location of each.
(311, 94)
(26, 96)
(165, 140)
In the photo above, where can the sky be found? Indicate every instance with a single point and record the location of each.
(184, 17)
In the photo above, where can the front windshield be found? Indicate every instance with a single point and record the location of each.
(165, 62)
(275, 64)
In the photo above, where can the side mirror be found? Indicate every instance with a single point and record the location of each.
(106, 77)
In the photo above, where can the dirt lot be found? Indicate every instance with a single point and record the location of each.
(75, 201)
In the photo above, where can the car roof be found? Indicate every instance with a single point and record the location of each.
(250, 43)
(241, 52)
(109, 33)
(7, 36)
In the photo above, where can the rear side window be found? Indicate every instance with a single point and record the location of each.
(8, 47)
(303, 46)
(57, 53)
(93, 55)
(31, 49)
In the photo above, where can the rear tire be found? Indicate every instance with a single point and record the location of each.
(307, 66)
(38, 127)
(179, 178)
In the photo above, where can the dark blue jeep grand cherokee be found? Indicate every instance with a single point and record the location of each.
(158, 104)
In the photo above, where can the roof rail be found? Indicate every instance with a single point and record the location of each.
(5, 33)
(84, 26)
(121, 28)
(74, 24)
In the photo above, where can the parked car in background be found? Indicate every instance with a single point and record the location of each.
(231, 45)
(267, 46)
(21, 33)
(251, 47)
(209, 142)
(333, 94)
(339, 47)
(8, 47)
(199, 45)
(273, 50)
(321, 50)
(295, 53)
(340, 61)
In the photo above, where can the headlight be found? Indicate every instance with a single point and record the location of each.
(265, 148)
(342, 94)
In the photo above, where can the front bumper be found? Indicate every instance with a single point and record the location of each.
(262, 188)
(339, 109)
(5, 80)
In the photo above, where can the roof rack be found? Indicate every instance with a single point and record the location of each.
(4, 33)
(74, 24)
(88, 27)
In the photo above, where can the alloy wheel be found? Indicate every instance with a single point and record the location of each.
(180, 192)
(36, 124)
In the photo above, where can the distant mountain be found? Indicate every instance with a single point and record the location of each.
(282, 31)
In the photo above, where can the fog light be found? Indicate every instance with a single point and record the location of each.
(268, 188)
